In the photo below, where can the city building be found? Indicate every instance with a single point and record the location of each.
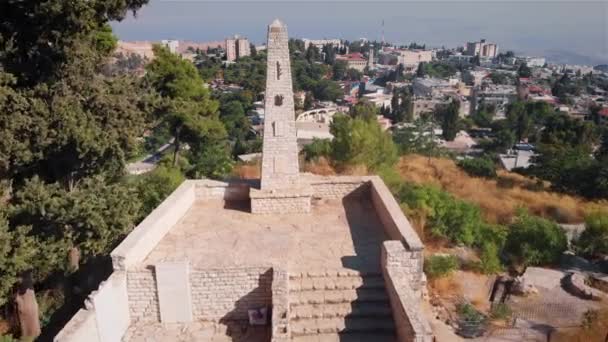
(353, 60)
(172, 45)
(319, 43)
(531, 61)
(431, 87)
(482, 49)
(497, 95)
(411, 58)
(237, 47)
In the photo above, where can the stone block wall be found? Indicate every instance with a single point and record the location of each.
(105, 317)
(284, 204)
(230, 191)
(227, 294)
(217, 294)
(280, 305)
(335, 187)
(405, 301)
(143, 295)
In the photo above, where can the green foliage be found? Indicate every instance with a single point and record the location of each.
(248, 72)
(318, 148)
(501, 78)
(438, 266)
(489, 259)
(501, 311)
(153, 187)
(359, 141)
(436, 69)
(478, 167)
(456, 220)
(448, 117)
(17, 249)
(214, 161)
(484, 116)
(364, 110)
(468, 313)
(524, 71)
(593, 241)
(417, 138)
(533, 240)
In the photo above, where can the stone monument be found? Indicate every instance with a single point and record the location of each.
(281, 188)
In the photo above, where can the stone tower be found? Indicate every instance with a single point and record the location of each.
(280, 168)
(281, 188)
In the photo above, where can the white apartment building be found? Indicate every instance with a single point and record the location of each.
(482, 49)
(237, 47)
(319, 43)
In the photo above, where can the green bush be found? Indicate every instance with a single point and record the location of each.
(361, 141)
(478, 167)
(448, 217)
(593, 241)
(318, 148)
(468, 313)
(438, 266)
(489, 259)
(533, 240)
(501, 311)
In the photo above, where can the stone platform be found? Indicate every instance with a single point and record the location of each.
(337, 233)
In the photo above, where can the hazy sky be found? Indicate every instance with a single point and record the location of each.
(564, 31)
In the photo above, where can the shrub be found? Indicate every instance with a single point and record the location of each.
(456, 220)
(490, 261)
(318, 148)
(593, 241)
(361, 141)
(500, 311)
(478, 167)
(438, 266)
(533, 240)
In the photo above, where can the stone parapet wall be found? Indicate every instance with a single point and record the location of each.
(217, 294)
(227, 293)
(143, 295)
(336, 187)
(394, 221)
(282, 201)
(280, 305)
(105, 317)
(234, 190)
(142, 240)
(405, 301)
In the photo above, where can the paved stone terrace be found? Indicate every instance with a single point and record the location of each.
(195, 332)
(335, 234)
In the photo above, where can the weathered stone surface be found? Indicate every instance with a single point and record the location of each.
(173, 287)
(280, 168)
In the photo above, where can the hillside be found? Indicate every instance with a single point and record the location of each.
(500, 198)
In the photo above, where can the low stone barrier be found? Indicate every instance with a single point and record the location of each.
(280, 305)
(105, 317)
(405, 301)
(142, 240)
(575, 284)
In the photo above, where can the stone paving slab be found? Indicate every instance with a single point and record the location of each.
(336, 234)
(195, 332)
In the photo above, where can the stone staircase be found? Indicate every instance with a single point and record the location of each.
(340, 306)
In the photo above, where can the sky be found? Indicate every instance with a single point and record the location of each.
(563, 31)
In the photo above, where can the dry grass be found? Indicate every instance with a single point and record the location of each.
(500, 198)
(247, 171)
(319, 167)
(596, 330)
(445, 287)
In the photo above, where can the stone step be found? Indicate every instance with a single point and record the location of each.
(314, 326)
(355, 309)
(346, 337)
(338, 296)
(341, 273)
(335, 283)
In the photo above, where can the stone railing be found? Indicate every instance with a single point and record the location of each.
(142, 240)
(335, 187)
(280, 305)
(105, 317)
(410, 323)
